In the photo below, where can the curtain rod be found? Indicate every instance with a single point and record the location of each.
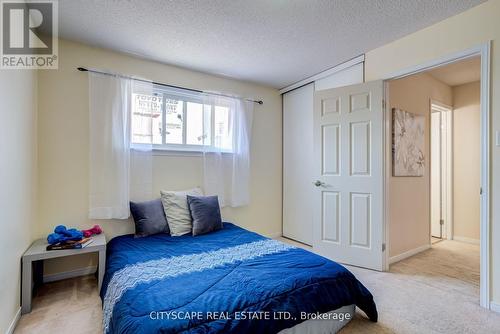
(83, 69)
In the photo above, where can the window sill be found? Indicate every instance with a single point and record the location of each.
(176, 153)
(180, 153)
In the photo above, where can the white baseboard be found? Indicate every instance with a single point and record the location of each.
(495, 307)
(467, 240)
(274, 235)
(14, 322)
(407, 254)
(69, 274)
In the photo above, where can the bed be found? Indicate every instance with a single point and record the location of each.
(229, 281)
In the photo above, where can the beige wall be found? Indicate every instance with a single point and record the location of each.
(17, 182)
(475, 26)
(409, 201)
(466, 160)
(64, 136)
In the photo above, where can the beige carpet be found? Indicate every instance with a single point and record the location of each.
(70, 306)
(436, 291)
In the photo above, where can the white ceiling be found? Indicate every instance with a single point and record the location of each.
(272, 42)
(459, 73)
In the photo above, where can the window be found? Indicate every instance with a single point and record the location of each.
(173, 120)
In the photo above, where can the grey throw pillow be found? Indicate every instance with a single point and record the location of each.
(149, 218)
(177, 211)
(205, 212)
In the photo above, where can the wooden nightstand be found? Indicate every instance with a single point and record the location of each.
(37, 252)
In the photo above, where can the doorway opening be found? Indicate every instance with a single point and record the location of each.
(455, 160)
(440, 208)
(441, 159)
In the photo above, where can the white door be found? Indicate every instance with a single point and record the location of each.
(348, 185)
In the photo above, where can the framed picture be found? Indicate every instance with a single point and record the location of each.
(408, 132)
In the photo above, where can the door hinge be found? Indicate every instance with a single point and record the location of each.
(383, 103)
(481, 191)
(441, 222)
(383, 247)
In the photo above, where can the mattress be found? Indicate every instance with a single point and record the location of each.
(325, 323)
(229, 281)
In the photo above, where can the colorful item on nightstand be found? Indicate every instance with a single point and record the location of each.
(92, 231)
(62, 234)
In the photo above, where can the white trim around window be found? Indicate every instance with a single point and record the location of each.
(182, 148)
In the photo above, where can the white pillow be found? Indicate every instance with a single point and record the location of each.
(176, 209)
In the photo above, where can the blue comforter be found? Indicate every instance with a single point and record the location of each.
(220, 283)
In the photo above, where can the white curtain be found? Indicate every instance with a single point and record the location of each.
(141, 157)
(226, 160)
(115, 174)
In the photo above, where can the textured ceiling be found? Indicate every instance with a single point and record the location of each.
(459, 73)
(272, 42)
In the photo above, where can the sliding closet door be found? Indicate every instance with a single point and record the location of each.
(298, 148)
(349, 76)
(297, 163)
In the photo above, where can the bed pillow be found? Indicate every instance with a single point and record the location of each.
(177, 211)
(149, 218)
(205, 212)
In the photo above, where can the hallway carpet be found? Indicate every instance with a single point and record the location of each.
(436, 291)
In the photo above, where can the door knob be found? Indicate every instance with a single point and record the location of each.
(318, 183)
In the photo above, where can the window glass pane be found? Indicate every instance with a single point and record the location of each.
(146, 119)
(207, 123)
(197, 129)
(222, 131)
(174, 121)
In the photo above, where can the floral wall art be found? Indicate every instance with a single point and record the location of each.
(408, 157)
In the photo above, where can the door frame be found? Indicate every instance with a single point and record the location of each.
(443, 107)
(484, 51)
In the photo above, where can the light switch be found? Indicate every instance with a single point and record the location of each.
(498, 138)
